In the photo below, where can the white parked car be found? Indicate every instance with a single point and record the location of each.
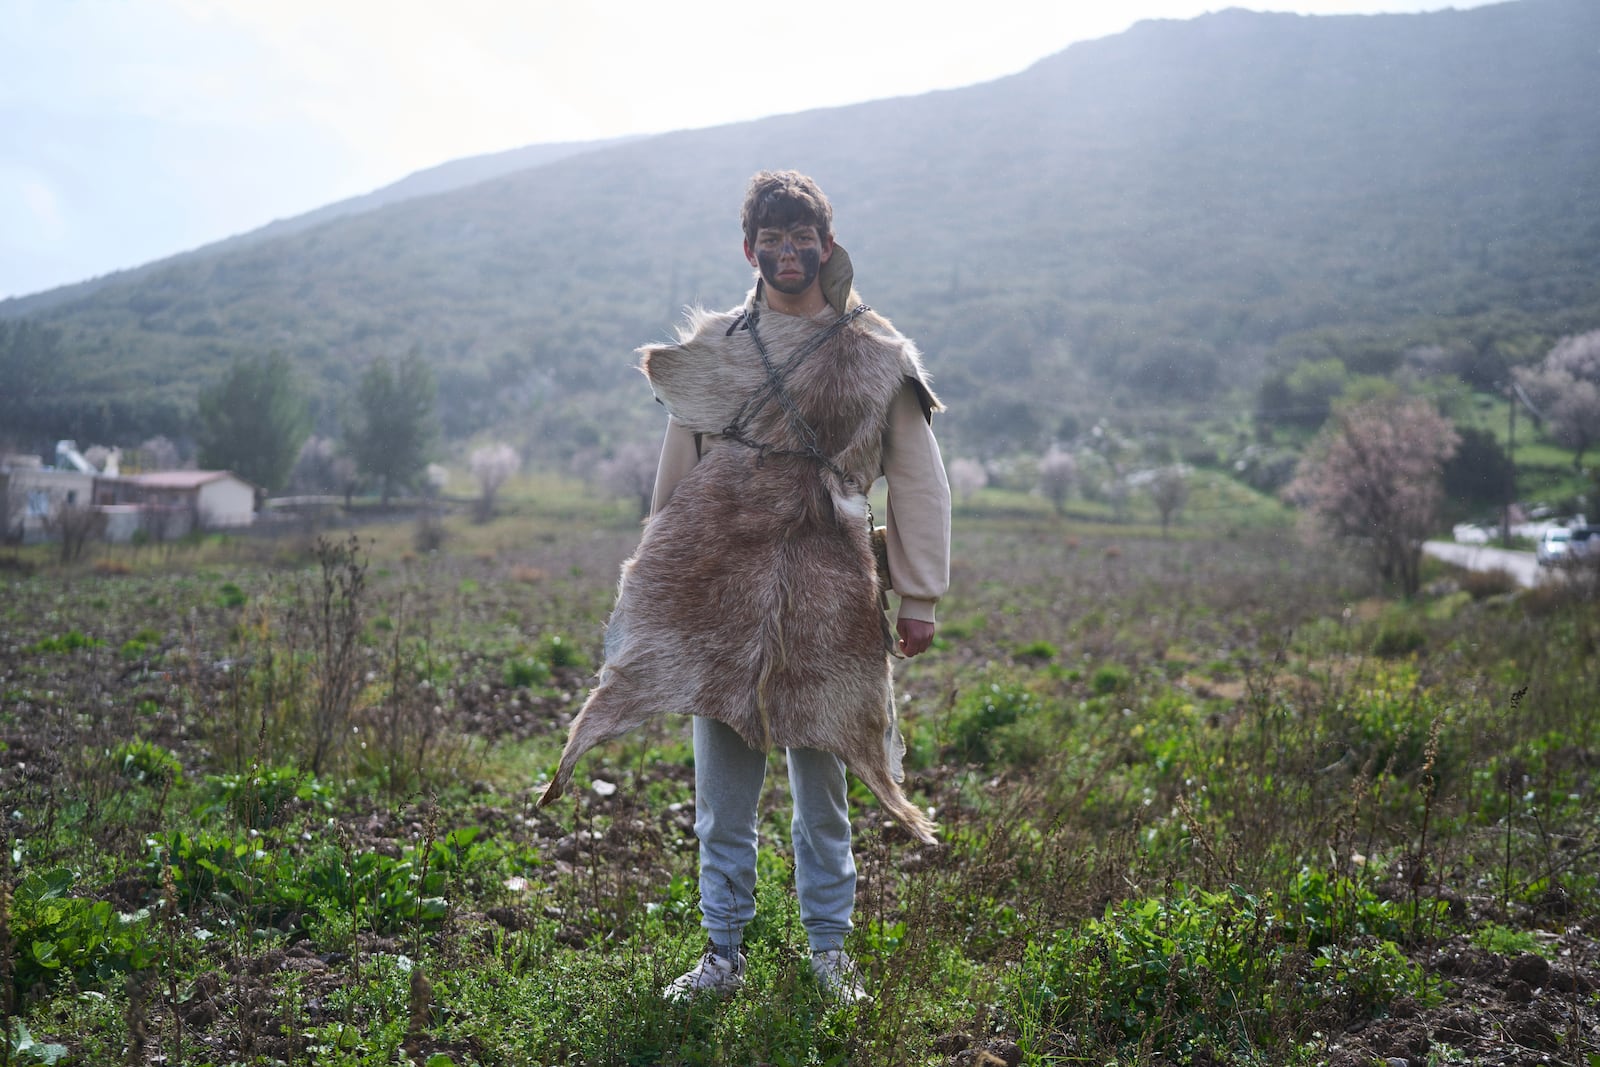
(1554, 546)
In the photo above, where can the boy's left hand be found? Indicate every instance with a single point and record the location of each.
(915, 635)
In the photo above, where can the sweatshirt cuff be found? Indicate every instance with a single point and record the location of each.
(921, 610)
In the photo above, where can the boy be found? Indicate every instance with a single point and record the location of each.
(753, 601)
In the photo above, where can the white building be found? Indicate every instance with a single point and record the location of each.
(33, 496)
(35, 500)
(183, 500)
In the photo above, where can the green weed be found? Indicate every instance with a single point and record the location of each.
(143, 761)
(71, 641)
(56, 936)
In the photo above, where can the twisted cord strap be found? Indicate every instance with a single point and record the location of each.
(737, 429)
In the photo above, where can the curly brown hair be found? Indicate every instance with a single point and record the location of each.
(783, 199)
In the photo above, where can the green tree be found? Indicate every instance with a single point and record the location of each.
(254, 421)
(392, 428)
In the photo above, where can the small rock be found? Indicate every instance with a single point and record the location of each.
(1569, 982)
(1530, 968)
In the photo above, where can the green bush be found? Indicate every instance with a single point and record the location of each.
(525, 672)
(144, 761)
(140, 644)
(55, 935)
(557, 651)
(262, 798)
(1037, 651)
(1398, 636)
(70, 641)
(264, 885)
(1109, 678)
(982, 711)
(1187, 972)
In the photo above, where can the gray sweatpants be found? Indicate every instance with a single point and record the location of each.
(728, 775)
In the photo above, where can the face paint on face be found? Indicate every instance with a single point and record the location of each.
(789, 258)
(791, 274)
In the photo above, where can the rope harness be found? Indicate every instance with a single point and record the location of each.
(773, 390)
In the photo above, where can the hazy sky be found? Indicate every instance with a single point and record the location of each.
(133, 129)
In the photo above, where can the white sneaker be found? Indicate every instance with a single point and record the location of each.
(714, 975)
(838, 976)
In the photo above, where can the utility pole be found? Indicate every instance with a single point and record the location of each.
(1511, 468)
(1515, 395)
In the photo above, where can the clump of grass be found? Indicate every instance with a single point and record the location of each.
(143, 761)
(526, 672)
(71, 641)
(984, 710)
(1398, 635)
(1180, 974)
(1484, 584)
(1504, 941)
(1037, 652)
(1109, 678)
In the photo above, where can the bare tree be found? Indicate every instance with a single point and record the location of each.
(13, 508)
(967, 476)
(631, 471)
(76, 525)
(1169, 491)
(1566, 389)
(492, 466)
(1058, 470)
(1373, 475)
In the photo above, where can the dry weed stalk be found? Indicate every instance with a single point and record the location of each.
(338, 614)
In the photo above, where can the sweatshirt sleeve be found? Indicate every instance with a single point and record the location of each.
(678, 457)
(918, 519)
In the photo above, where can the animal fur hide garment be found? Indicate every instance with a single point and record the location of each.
(753, 597)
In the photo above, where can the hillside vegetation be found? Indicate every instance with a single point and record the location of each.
(1154, 224)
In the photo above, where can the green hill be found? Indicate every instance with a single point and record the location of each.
(1154, 222)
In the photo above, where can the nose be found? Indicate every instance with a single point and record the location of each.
(788, 248)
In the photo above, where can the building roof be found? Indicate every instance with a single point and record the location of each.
(180, 479)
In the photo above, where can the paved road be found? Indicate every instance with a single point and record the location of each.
(1523, 566)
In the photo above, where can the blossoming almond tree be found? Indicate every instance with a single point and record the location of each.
(1566, 387)
(492, 466)
(1373, 475)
